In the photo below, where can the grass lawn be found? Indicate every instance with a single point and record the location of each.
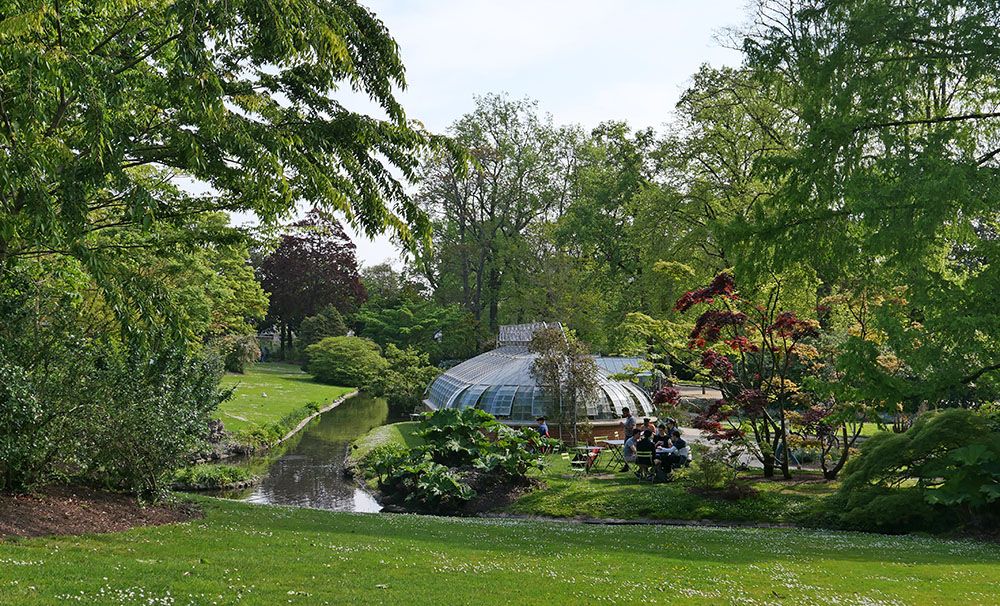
(394, 433)
(270, 392)
(621, 495)
(253, 554)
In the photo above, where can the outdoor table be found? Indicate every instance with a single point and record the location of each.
(593, 454)
(617, 457)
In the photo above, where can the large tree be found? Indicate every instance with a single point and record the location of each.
(893, 179)
(519, 175)
(104, 106)
(314, 266)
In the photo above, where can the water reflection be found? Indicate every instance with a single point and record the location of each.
(308, 472)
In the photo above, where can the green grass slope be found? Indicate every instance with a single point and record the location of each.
(251, 554)
(394, 433)
(270, 392)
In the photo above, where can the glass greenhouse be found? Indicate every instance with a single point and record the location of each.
(500, 382)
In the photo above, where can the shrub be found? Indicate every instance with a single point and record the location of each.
(24, 445)
(150, 413)
(459, 446)
(403, 384)
(327, 323)
(380, 463)
(944, 470)
(456, 437)
(715, 472)
(208, 477)
(347, 361)
(238, 352)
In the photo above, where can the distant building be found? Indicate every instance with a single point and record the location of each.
(500, 382)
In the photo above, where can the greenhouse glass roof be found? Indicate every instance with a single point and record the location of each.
(500, 382)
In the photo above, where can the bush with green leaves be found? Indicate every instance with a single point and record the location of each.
(403, 384)
(209, 477)
(942, 472)
(460, 448)
(346, 361)
(238, 352)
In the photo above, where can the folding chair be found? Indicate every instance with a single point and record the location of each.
(578, 466)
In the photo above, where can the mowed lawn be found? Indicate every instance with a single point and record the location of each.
(393, 433)
(253, 554)
(605, 494)
(268, 392)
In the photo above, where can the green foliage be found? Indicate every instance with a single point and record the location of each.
(327, 323)
(454, 436)
(238, 352)
(404, 382)
(944, 469)
(713, 470)
(105, 103)
(80, 403)
(436, 475)
(442, 331)
(383, 460)
(887, 189)
(207, 477)
(350, 361)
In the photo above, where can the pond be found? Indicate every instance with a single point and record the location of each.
(308, 470)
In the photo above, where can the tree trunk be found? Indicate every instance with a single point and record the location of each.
(494, 294)
(768, 465)
(785, 473)
(845, 450)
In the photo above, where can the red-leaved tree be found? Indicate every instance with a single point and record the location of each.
(753, 354)
(313, 267)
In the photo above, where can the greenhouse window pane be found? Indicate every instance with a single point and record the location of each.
(470, 397)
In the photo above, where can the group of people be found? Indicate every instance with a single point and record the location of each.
(654, 452)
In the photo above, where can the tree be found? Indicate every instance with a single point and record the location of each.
(754, 354)
(480, 215)
(327, 323)
(346, 361)
(404, 383)
(567, 373)
(314, 266)
(892, 172)
(238, 96)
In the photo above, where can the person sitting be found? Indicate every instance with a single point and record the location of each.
(647, 424)
(674, 455)
(662, 437)
(682, 452)
(644, 451)
(628, 449)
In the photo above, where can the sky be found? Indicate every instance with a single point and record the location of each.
(583, 61)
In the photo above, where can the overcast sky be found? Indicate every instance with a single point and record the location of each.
(584, 61)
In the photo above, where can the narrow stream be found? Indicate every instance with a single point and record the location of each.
(307, 471)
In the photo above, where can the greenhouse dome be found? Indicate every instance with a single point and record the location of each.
(500, 382)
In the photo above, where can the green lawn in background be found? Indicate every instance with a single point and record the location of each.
(253, 554)
(268, 392)
(394, 433)
(620, 495)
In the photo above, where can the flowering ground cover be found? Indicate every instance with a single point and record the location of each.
(269, 392)
(251, 554)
